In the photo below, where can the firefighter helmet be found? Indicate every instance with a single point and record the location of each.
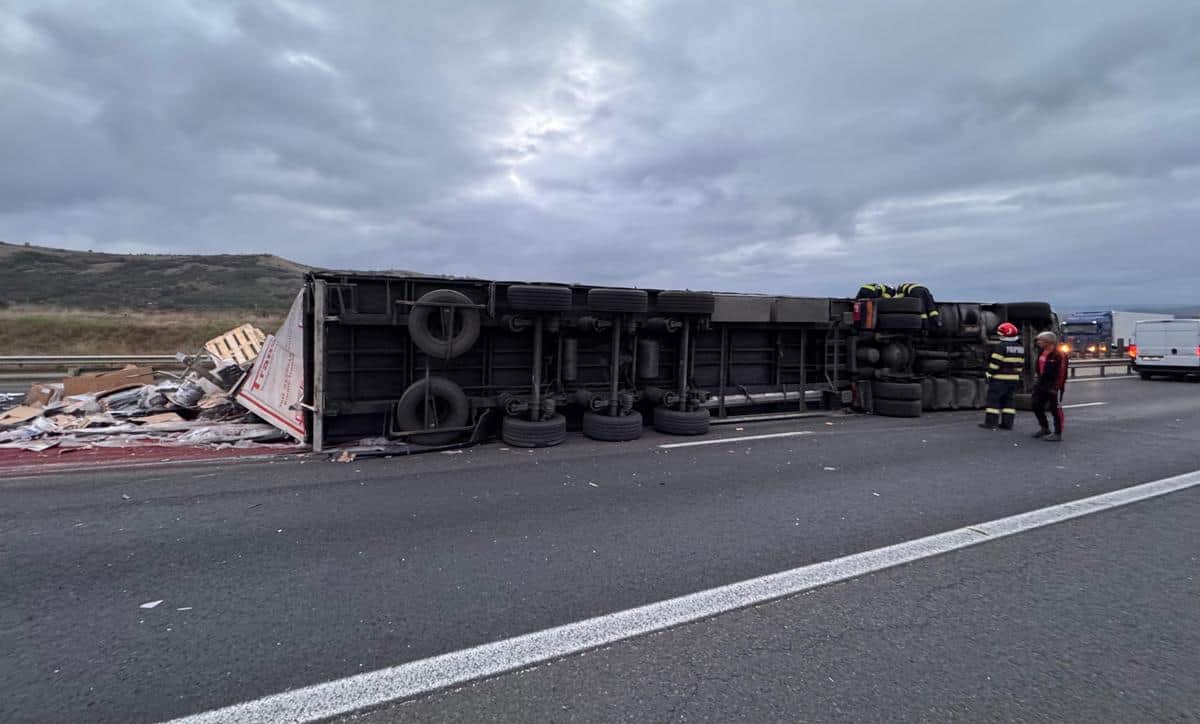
(1007, 329)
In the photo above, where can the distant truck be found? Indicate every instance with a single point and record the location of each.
(1103, 334)
(1169, 348)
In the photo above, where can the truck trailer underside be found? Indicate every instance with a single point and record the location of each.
(438, 361)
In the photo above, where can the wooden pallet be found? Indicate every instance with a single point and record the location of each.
(241, 345)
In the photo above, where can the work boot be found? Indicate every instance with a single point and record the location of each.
(1042, 433)
(1053, 437)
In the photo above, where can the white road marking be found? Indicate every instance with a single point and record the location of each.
(405, 681)
(723, 440)
(1083, 404)
(1109, 378)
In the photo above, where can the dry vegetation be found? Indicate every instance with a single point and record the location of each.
(52, 331)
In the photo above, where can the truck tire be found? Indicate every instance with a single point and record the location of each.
(965, 393)
(899, 391)
(899, 323)
(933, 366)
(928, 393)
(539, 298)
(896, 357)
(633, 301)
(420, 325)
(621, 428)
(867, 356)
(898, 408)
(677, 422)
(519, 432)
(450, 408)
(685, 303)
(969, 319)
(900, 305)
(989, 320)
(943, 398)
(1028, 312)
(951, 322)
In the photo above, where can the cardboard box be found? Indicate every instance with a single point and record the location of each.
(18, 415)
(41, 394)
(95, 383)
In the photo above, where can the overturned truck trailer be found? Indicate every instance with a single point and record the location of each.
(439, 361)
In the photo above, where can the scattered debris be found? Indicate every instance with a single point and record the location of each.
(344, 457)
(593, 484)
(151, 604)
(829, 469)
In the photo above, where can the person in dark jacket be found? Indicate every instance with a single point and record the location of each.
(1004, 376)
(1051, 383)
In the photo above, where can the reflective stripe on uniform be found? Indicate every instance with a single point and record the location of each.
(1007, 378)
(934, 313)
(993, 410)
(1010, 411)
(1014, 360)
(997, 355)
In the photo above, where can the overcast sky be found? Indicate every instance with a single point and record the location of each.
(992, 150)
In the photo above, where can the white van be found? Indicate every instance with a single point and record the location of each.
(1170, 348)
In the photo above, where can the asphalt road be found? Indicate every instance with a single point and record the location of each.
(290, 573)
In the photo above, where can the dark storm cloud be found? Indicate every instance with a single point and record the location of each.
(988, 149)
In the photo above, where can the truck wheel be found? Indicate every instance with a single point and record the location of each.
(621, 428)
(519, 432)
(899, 323)
(685, 303)
(951, 322)
(944, 394)
(933, 366)
(898, 408)
(539, 298)
(425, 326)
(900, 305)
(928, 393)
(965, 393)
(633, 301)
(447, 407)
(899, 391)
(676, 422)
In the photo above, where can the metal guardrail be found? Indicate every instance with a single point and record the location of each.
(1102, 365)
(45, 362)
(16, 371)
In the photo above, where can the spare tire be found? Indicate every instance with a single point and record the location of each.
(685, 303)
(519, 432)
(989, 320)
(900, 305)
(898, 408)
(899, 323)
(896, 357)
(448, 407)
(621, 428)
(539, 298)
(679, 422)
(436, 342)
(1028, 312)
(633, 301)
(902, 391)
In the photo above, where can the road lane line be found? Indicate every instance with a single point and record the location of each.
(723, 440)
(405, 681)
(1083, 404)
(1109, 378)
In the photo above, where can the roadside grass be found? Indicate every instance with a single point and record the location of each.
(33, 330)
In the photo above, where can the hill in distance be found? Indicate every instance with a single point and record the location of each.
(42, 276)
